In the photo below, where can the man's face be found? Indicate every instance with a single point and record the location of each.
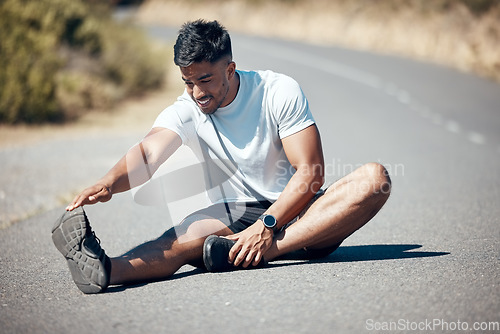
(208, 84)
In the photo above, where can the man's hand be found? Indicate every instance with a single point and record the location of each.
(91, 195)
(251, 245)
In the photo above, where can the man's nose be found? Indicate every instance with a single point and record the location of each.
(197, 92)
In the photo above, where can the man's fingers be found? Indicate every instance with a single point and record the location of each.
(92, 195)
(249, 258)
(75, 204)
(234, 250)
(257, 259)
(71, 206)
(235, 236)
(238, 259)
(103, 195)
(77, 201)
(245, 256)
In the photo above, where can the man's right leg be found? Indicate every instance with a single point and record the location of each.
(93, 271)
(153, 260)
(161, 258)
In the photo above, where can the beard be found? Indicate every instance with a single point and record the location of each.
(213, 104)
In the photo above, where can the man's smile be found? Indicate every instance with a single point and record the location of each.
(203, 102)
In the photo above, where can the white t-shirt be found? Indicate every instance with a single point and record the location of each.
(268, 107)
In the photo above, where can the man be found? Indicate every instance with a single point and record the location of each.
(256, 126)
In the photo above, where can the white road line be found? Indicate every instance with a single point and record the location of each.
(367, 79)
(415, 107)
(476, 138)
(390, 89)
(425, 112)
(452, 126)
(404, 97)
(322, 64)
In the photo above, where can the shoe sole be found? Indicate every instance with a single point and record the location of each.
(68, 239)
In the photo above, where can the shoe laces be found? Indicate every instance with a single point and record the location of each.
(93, 243)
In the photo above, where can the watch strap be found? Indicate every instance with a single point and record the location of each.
(263, 217)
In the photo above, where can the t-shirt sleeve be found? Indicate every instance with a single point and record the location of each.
(291, 107)
(178, 118)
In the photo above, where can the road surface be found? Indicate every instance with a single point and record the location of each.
(429, 261)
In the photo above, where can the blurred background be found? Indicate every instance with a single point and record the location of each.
(460, 33)
(60, 59)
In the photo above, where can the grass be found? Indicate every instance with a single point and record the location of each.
(60, 58)
(132, 115)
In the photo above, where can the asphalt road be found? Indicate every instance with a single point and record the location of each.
(428, 262)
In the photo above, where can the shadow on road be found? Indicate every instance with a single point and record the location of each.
(121, 288)
(380, 252)
(368, 253)
(342, 254)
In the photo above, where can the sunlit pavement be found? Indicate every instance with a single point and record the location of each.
(429, 261)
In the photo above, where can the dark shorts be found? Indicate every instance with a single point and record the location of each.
(238, 216)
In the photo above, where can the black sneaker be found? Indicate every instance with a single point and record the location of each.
(89, 265)
(216, 253)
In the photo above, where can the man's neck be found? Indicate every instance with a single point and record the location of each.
(234, 86)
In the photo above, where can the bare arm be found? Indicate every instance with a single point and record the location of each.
(133, 169)
(305, 153)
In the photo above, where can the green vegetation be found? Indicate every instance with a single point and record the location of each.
(59, 58)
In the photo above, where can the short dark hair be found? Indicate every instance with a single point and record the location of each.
(200, 41)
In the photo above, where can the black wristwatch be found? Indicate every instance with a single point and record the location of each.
(269, 221)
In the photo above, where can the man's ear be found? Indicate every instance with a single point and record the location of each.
(230, 70)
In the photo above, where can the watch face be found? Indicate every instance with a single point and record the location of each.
(269, 221)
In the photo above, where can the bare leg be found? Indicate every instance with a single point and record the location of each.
(345, 207)
(161, 258)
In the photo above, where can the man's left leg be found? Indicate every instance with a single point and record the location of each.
(345, 207)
